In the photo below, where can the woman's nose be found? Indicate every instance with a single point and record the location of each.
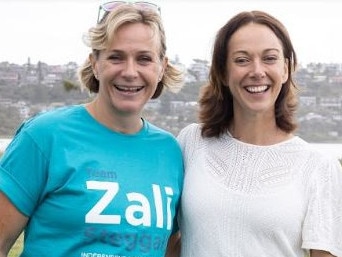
(130, 69)
(257, 70)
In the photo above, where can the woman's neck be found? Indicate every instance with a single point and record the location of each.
(126, 124)
(258, 132)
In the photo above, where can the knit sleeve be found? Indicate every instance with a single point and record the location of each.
(322, 228)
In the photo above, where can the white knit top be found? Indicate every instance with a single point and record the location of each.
(243, 200)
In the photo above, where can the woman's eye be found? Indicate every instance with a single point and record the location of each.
(144, 59)
(271, 59)
(115, 58)
(241, 60)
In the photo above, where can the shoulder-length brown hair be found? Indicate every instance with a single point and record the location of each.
(216, 102)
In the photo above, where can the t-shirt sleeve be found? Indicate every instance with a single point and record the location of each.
(322, 228)
(22, 175)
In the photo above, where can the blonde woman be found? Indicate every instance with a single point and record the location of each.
(98, 179)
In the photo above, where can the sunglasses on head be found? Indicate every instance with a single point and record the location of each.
(109, 6)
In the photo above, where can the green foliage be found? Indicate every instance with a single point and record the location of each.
(70, 85)
(17, 247)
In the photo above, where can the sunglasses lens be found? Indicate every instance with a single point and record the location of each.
(146, 5)
(112, 5)
(107, 7)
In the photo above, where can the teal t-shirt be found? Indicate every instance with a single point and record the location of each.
(89, 191)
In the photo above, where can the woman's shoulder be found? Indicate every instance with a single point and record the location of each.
(310, 149)
(190, 136)
(52, 119)
(317, 162)
(191, 129)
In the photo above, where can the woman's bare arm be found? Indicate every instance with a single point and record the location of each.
(173, 246)
(12, 223)
(319, 253)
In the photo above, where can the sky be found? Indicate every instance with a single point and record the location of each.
(51, 31)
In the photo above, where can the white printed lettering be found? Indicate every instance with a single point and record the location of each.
(158, 205)
(169, 192)
(144, 209)
(138, 211)
(94, 215)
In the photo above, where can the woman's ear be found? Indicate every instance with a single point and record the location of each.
(286, 71)
(163, 69)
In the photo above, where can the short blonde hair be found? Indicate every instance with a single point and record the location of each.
(99, 37)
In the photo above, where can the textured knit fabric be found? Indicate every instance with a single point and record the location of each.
(243, 200)
(89, 191)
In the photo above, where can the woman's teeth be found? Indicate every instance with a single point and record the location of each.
(128, 89)
(258, 89)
